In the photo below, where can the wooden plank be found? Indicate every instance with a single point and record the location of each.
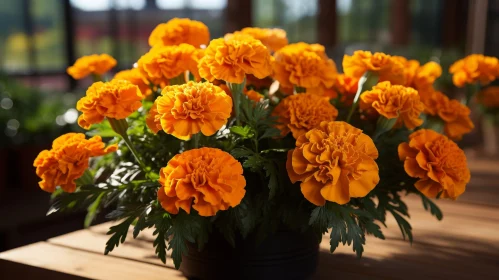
(85, 264)
(464, 242)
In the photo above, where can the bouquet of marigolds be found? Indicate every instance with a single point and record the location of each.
(247, 135)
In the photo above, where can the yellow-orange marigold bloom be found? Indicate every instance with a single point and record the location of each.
(410, 68)
(426, 75)
(231, 58)
(474, 68)
(180, 31)
(254, 95)
(489, 97)
(334, 162)
(437, 161)
(300, 113)
(91, 64)
(207, 179)
(116, 99)
(455, 115)
(304, 65)
(273, 38)
(153, 120)
(163, 63)
(68, 160)
(385, 66)
(346, 85)
(184, 110)
(133, 76)
(394, 101)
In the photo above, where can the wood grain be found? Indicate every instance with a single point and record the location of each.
(464, 245)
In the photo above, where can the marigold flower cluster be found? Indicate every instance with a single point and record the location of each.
(474, 68)
(134, 76)
(163, 63)
(206, 179)
(271, 129)
(231, 58)
(333, 162)
(68, 160)
(437, 161)
(92, 64)
(386, 67)
(180, 31)
(273, 38)
(304, 65)
(184, 110)
(394, 101)
(116, 99)
(300, 113)
(453, 113)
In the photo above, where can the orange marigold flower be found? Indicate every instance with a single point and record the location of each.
(184, 110)
(68, 160)
(394, 101)
(489, 97)
(179, 31)
(153, 120)
(346, 85)
(97, 64)
(385, 66)
(273, 38)
(474, 68)
(300, 113)
(116, 99)
(163, 63)
(207, 179)
(254, 95)
(133, 76)
(455, 115)
(305, 66)
(231, 58)
(334, 162)
(437, 161)
(410, 69)
(426, 75)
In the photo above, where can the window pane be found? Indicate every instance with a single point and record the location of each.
(297, 17)
(14, 56)
(48, 20)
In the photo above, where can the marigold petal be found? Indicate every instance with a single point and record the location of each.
(311, 189)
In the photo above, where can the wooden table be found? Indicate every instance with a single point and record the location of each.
(465, 245)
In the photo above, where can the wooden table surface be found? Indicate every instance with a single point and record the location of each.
(464, 245)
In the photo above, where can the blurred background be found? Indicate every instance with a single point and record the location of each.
(39, 39)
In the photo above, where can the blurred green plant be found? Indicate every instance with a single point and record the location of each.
(29, 115)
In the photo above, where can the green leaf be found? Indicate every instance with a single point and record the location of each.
(187, 228)
(254, 163)
(241, 152)
(93, 210)
(162, 224)
(245, 132)
(428, 204)
(404, 225)
(118, 234)
(272, 173)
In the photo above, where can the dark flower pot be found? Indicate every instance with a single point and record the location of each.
(283, 255)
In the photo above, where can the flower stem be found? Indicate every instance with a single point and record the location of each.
(237, 94)
(85, 179)
(179, 80)
(120, 127)
(96, 77)
(195, 139)
(367, 80)
(471, 89)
